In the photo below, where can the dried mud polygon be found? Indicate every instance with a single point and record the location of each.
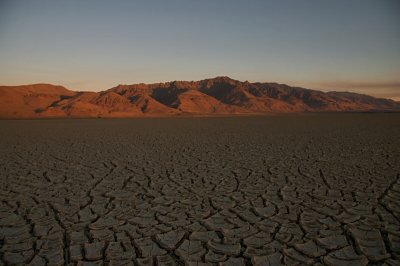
(273, 190)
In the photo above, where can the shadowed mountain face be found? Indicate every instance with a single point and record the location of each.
(219, 96)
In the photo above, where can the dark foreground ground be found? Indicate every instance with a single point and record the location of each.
(294, 190)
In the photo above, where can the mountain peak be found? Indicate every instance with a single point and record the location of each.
(222, 79)
(38, 88)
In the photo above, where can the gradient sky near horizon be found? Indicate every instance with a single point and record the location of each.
(96, 44)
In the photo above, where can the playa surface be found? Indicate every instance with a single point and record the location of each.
(314, 189)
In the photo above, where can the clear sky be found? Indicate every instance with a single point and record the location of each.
(97, 44)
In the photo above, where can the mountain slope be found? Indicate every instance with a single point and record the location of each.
(220, 95)
(30, 100)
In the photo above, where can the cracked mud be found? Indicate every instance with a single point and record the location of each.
(279, 190)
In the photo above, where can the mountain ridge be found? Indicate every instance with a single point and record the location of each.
(215, 96)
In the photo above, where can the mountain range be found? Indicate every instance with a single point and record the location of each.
(215, 96)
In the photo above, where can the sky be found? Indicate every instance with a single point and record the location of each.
(350, 45)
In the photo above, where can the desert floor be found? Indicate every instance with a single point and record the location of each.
(290, 189)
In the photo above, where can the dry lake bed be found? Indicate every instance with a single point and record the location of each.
(273, 190)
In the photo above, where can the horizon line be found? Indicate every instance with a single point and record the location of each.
(323, 86)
